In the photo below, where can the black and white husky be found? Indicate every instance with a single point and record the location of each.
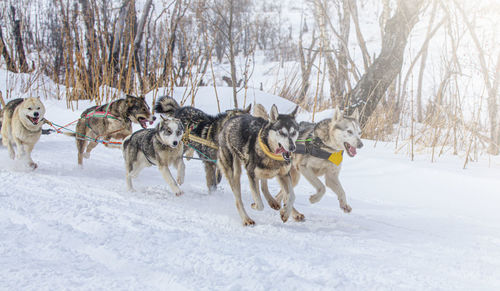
(161, 146)
(264, 147)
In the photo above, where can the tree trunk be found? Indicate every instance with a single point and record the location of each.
(11, 66)
(423, 61)
(232, 60)
(379, 76)
(21, 55)
(114, 55)
(138, 39)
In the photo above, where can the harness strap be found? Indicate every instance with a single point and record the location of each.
(314, 150)
(189, 137)
(266, 150)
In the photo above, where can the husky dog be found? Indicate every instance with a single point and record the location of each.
(321, 154)
(199, 124)
(160, 146)
(264, 147)
(22, 126)
(110, 121)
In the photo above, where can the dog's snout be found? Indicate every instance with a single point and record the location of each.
(360, 144)
(36, 114)
(154, 118)
(292, 147)
(175, 143)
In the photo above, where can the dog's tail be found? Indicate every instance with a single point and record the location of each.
(166, 105)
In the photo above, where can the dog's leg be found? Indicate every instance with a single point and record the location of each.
(180, 171)
(167, 175)
(254, 188)
(81, 142)
(90, 147)
(10, 147)
(129, 168)
(20, 149)
(28, 148)
(232, 171)
(270, 200)
(210, 175)
(317, 184)
(189, 153)
(333, 182)
(288, 197)
(295, 175)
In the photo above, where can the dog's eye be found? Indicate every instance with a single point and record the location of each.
(29, 108)
(169, 132)
(349, 131)
(179, 132)
(38, 108)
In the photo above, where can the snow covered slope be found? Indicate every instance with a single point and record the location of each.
(414, 225)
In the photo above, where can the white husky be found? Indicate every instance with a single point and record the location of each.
(22, 127)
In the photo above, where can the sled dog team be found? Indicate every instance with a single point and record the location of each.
(268, 145)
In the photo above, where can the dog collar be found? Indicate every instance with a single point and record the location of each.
(266, 150)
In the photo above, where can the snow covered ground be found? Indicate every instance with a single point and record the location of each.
(414, 225)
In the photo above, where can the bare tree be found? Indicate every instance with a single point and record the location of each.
(379, 76)
(11, 66)
(491, 85)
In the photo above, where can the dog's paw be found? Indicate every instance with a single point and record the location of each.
(299, 217)
(86, 155)
(179, 193)
(131, 190)
(33, 165)
(274, 205)
(12, 156)
(256, 206)
(284, 215)
(248, 222)
(345, 207)
(314, 198)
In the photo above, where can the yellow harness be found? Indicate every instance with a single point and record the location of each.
(266, 150)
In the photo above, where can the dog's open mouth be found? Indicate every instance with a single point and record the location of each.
(284, 153)
(33, 120)
(144, 122)
(351, 151)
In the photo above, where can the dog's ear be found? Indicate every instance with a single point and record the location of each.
(260, 111)
(294, 112)
(355, 114)
(247, 110)
(337, 115)
(274, 113)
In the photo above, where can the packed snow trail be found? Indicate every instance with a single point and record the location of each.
(414, 225)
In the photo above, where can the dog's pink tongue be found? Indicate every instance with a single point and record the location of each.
(151, 122)
(280, 150)
(352, 151)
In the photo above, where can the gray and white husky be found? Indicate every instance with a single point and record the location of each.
(202, 125)
(264, 147)
(161, 146)
(322, 152)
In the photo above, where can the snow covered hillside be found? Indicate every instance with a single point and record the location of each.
(414, 225)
